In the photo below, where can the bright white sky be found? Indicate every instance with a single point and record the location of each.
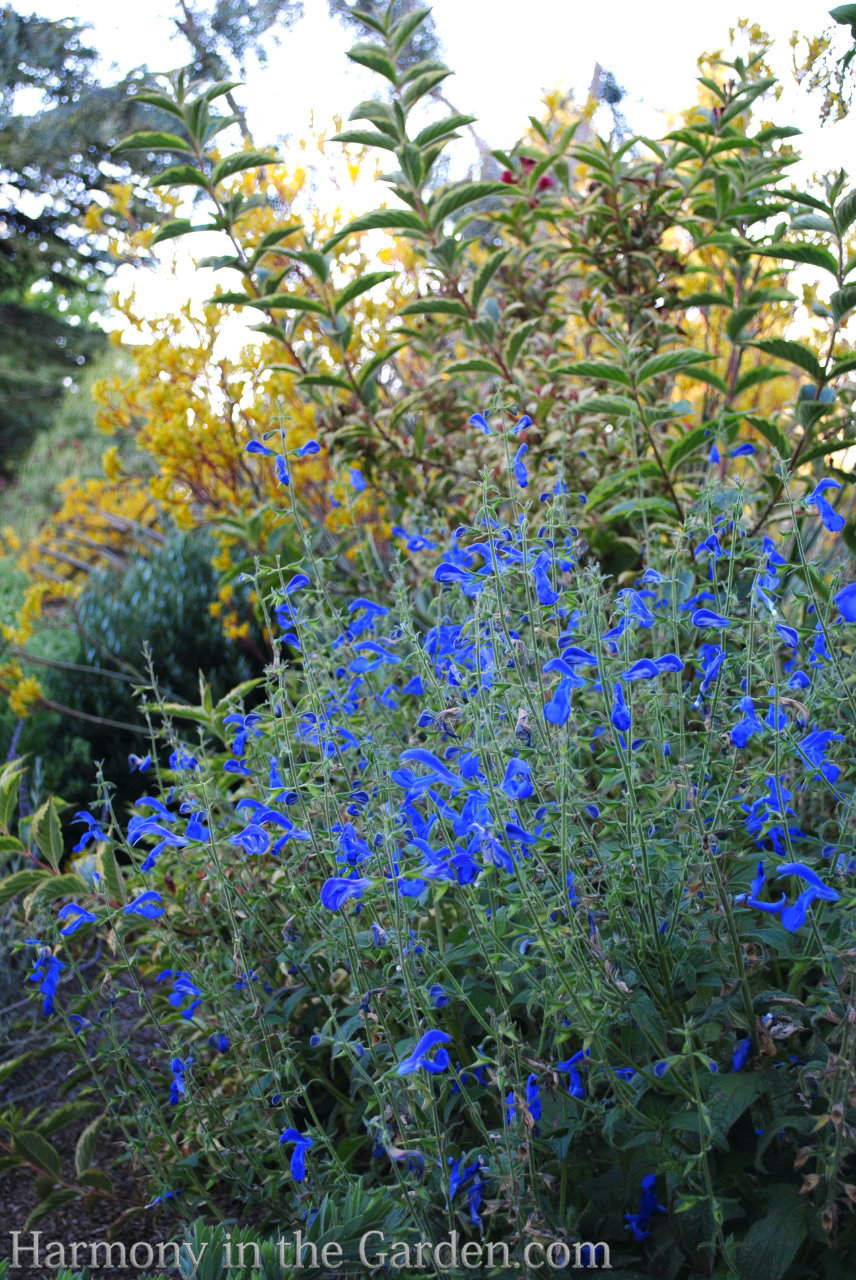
(504, 53)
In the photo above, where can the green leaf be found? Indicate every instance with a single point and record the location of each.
(359, 286)
(731, 1094)
(423, 84)
(611, 485)
(845, 365)
(46, 1207)
(842, 301)
(793, 352)
(31, 1147)
(810, 254)
(754, 377)
(484, 275)
(271, 239)
(62, 1115)
(403, 30)
(8, 1068)
(597, 369)
(10, 783)
(517, 339)
(111, 876)
(709, 376)
(171, 230)
(317, 379)
(366, 138)
(772, 433)
(476, 365)
(772, 1242)
(377, 361)
(669, 361)
(84, 1148)
(389, 219)
(435, 306)
(64, 886)
(288, 302)
(686, 445)
(444, 129)
(616, 406)
(375, 57)
(46, 832)
(240, 161)
(154, 141)
(442, 206)
(21, 882)
(845, 213)
(180, 175)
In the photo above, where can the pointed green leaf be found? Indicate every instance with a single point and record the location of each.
(444, 205)
(669, 362)
(599, 370)
(771, 432)
(484, 275)
(366, 138)
(435, 306)
(240, 161)
(180, 175)
(845, 213)
(361, 285)
(793, 352)
(377, 361)
(687, 445)
(154, 141)
(390, 219)
(444, 129)
(843, 301)
(810, 254)
(32, 1148)
(46, 832)
(375, 57)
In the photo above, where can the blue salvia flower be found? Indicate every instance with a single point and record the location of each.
(436, 992)
(177, 1088)
(302, 1143)
(521, 475)
(219, 1041)
(183, 988)
(517, 783)
(748, 726)
(139, 764)
(77, 917)
(358, 483)
(533, 1098)
(845, 602)
(336, 891)
(93, 829)
(147, 904)
(708, 618)
(311, 446)
(742, 450)
(752, 897)
(620, 714)
(419, 1059)
(480, 421)
(46, 973)
(638, 1222)
(831, 518)
(575, 1088)
(253, 839)
(510, 1107)
(521, 425)
(741, 1054)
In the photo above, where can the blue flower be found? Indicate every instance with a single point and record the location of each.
(140, 764)
(79, 916)
(752, 897)
(336, 891)
(183, 988)
(794, 915)
(638, 1222)
(845, 602)
(311, 446)
(741, 1054)
(480, 421)
(253, 839)
(708, 618)
(742, 451)
(521, 475)
(575, 1088)
(219, 1041)
(644, 669)
(419, 1057)
(831, 518)
(517, 783)
(438, 995)
(533, 1099)
(620, 714)
(178, 1067)
(93, 829)
(749, 725)
(357, 482)
(46, 973)
(145, 904)
(302, 1143)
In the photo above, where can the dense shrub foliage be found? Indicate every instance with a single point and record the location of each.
(515, 900)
